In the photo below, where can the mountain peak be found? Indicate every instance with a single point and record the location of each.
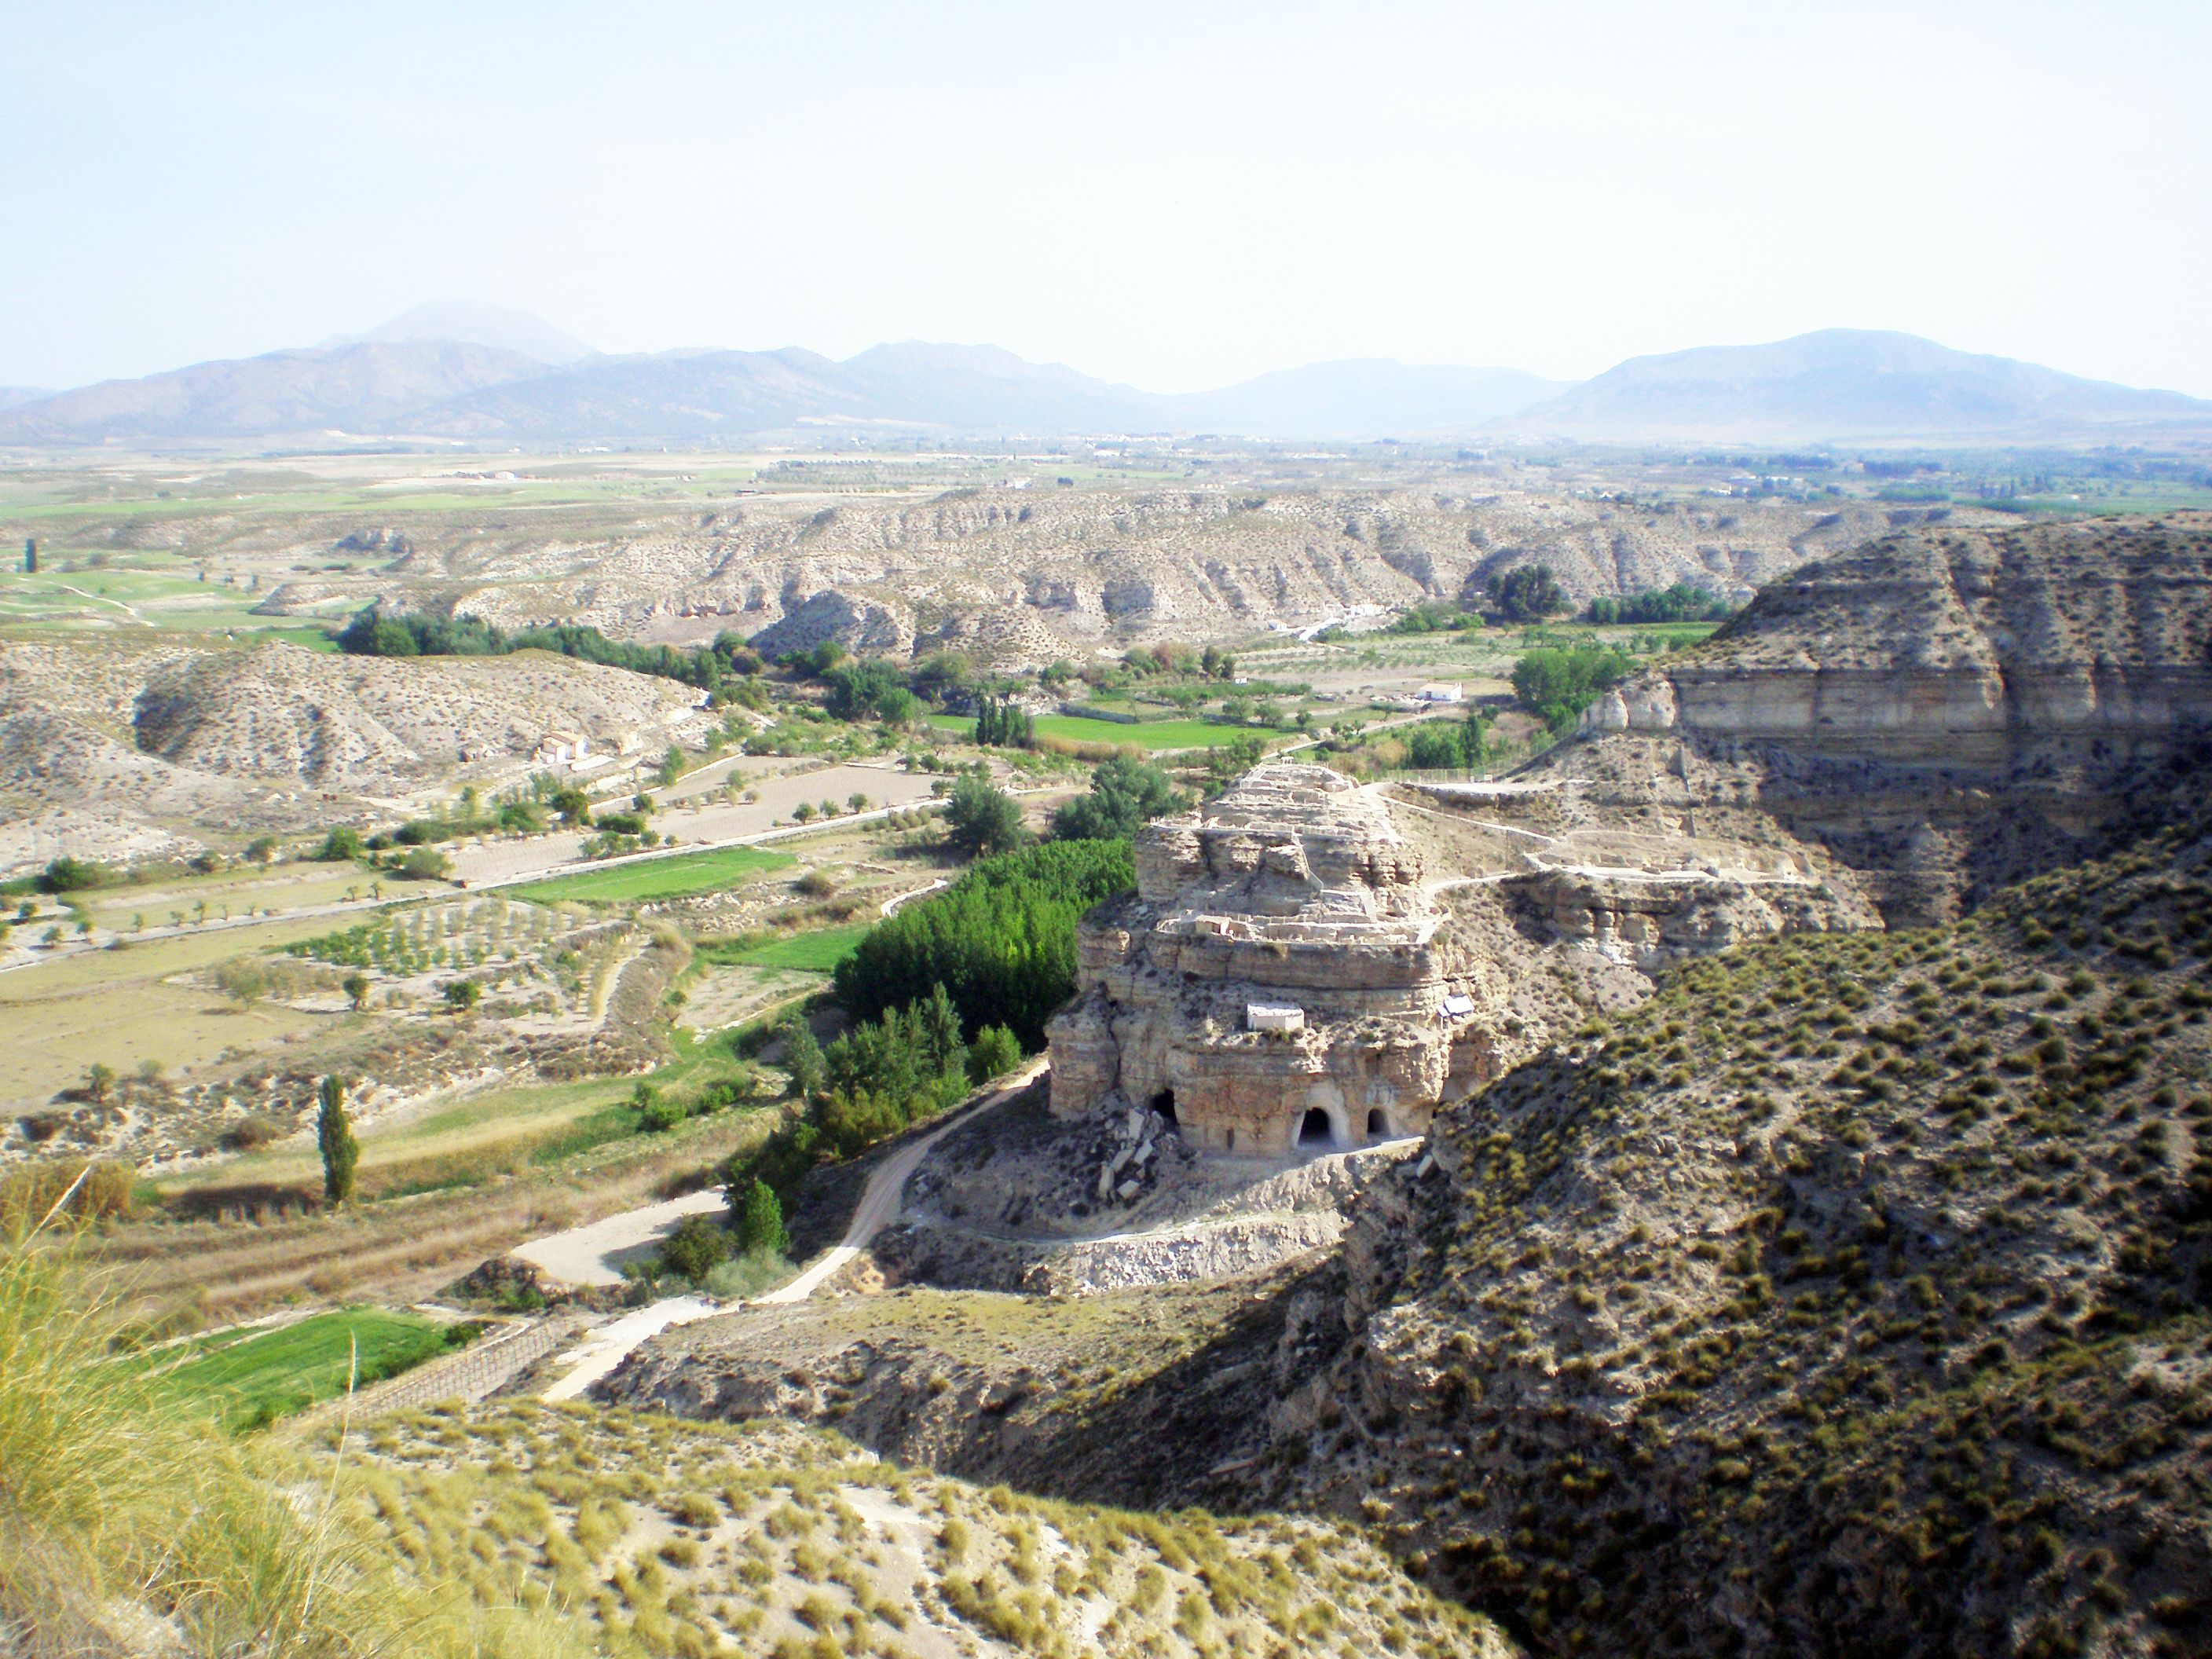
(473, 323)
(1848, 384)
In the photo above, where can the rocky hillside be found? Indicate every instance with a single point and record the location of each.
(1849, 1292)
(1880, 700)
(1026, 576)
(1851, 1295)
(109, 748)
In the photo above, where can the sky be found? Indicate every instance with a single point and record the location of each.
(1176, 196)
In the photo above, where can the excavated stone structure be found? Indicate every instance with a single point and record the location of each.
(1279, 978)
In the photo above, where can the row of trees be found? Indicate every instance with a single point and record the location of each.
(1000, 941)
(1683, 602)
(1213, 662)
(373, 634)
(1000, 724)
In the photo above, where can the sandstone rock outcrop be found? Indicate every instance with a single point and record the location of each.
(1290, 901)
(1944, 710)
(1964, 648)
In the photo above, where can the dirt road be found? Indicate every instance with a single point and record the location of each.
(701, 821)
(586, 1255)
(594, 1254)
(881, 1197)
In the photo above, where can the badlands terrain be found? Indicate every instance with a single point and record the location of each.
(1842, 1284)
(1737, 1181)
(162, 689)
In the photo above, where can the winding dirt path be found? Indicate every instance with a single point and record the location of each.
(594, 1254)
(586, 1255)
(883, 1197)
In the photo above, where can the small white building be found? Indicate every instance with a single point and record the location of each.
(1440, 691)
(1274, 1017)
(562, 748)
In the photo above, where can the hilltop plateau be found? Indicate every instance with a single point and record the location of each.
(1946, 708)
(1024, 577)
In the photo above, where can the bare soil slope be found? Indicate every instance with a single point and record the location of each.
(109, 744)
(1030, 575)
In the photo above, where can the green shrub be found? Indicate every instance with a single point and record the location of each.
(425, 864)
(1557, 685)
(995, 1052)
(760, 1224)
(695, 1248)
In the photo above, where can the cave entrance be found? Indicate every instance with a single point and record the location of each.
(1378, 1126)
(1314, 1130)
(1163, 1103)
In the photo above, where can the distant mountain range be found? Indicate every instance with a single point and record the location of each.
(1845, 382)
(486, 373)
(501, 326)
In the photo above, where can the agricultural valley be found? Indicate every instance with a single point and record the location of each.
(1151, 1045)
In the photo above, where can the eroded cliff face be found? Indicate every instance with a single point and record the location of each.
(1026, 578)
(1413, 942)
(1944, 710)
(1279, 968)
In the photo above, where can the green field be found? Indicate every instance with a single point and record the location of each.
(255, 1377)
(674, 877)
(817, 953)
(1147, 734)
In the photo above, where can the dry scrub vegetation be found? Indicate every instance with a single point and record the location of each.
(129, 1524)
(1852, 1293)
(678, 1538)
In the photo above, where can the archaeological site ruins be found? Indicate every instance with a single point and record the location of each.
(1278, 979)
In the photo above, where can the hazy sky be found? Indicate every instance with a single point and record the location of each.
(1177, 196)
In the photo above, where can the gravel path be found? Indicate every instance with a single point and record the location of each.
(585, 1255)
(607, 1346)
(593, 1255)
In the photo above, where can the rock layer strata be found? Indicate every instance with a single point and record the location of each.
(1292, 892)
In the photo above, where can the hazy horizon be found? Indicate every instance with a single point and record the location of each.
(1180, 201)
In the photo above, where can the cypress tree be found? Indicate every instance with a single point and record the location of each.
(802, 1056)
(941, 1033)
(334, 1134)
(761, 1226)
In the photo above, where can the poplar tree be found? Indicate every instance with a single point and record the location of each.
(761, 1225)
(334, 1134)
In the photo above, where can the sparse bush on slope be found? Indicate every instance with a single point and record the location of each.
(1853, 1295)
